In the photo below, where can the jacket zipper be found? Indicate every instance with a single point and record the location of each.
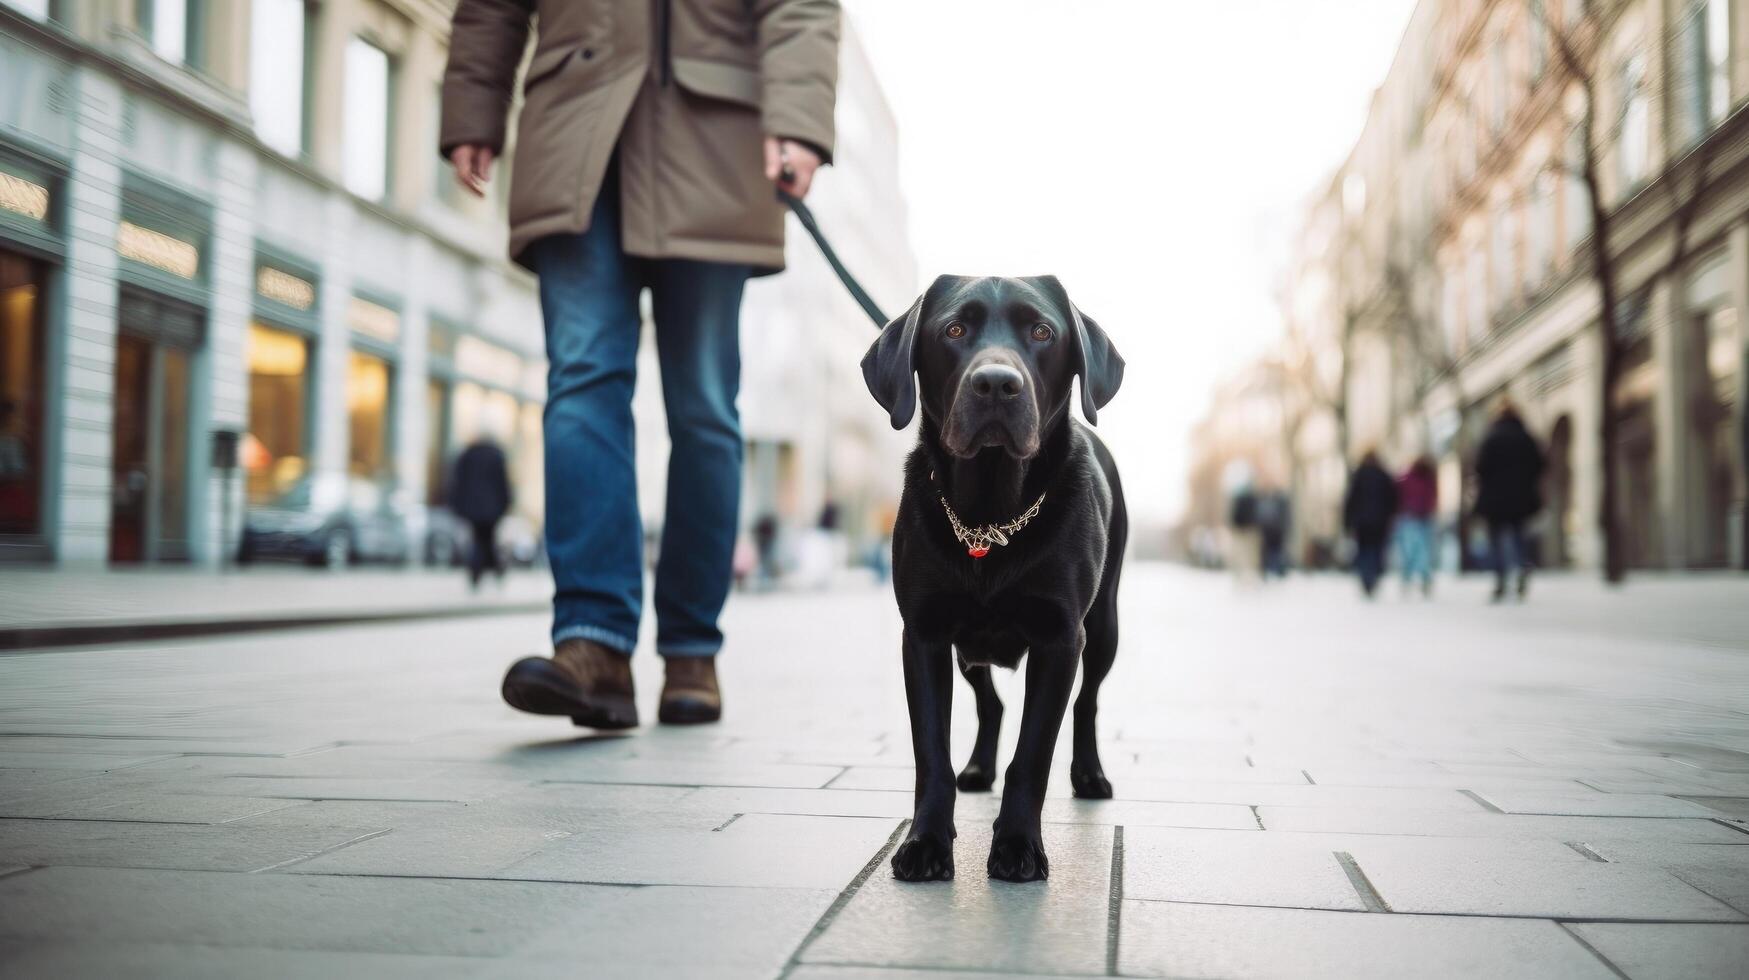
(665, 51)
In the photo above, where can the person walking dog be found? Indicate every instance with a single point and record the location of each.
(650, 140)
(1509, 469)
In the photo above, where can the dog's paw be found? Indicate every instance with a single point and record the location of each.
(974, 778)
(923, 859)
(1019, 858)
(1089, 785)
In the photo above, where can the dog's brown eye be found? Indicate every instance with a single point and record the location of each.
(1042, 331)
(956, 330)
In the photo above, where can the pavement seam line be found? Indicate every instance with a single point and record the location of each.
(1586, 852)
(1114, 908)
(1257, 816)
(1369, 896)
(1309, 780)
(373, 835)
(838, 904)
(724, 825)
(1593, 950)
(1721, 821)
(1481, 801)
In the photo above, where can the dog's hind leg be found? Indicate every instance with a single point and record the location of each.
(980, 771)
(1086, 774)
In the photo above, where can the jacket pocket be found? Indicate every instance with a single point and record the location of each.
(545, 65)
(718, 80)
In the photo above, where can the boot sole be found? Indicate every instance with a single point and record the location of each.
(538, 696)
(688, 713)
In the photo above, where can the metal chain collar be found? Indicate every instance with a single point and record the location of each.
(979, 540)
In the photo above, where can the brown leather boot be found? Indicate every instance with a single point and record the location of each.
(590, 682)
(689, 693)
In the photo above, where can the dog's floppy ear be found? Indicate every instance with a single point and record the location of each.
(1097, 361)
(890, 366)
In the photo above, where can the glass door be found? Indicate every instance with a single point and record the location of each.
(149, 496)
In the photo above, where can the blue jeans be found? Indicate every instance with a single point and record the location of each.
(1415, 546)
(595, 541)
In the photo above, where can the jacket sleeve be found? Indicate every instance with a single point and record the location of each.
(486, 40)
(798, 69)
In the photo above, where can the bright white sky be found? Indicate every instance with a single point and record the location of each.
(1151, 153)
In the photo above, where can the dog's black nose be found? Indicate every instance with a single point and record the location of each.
(998, 381)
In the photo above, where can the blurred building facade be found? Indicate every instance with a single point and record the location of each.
(1450, 263)
(231, 217)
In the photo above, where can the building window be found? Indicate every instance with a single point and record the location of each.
(173, 28)
(277, 56)
(275, 454)
(1539, 231)
(22, 398)
(1578, 204)
(1505, 253)
(1634, 130)
(368, 388)
(1704, 66)
(35, 9)
(1476, 303)
(365, 128)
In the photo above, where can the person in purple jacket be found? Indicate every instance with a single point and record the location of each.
(1417, 502)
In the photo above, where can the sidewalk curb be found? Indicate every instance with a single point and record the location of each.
(21, 639)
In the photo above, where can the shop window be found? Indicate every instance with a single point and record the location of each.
(22, 401)
(275, 454)
(173, 27)
(368, 391)
(436, 440)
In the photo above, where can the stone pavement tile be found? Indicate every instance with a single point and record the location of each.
(1414, 798)
(231, 847)
(1169, 939)
(1667, 951)
(1144, 813)
(268, 745)
(662, 931)
(1475, 885)
(117, 798)
(879, 973)
(435, 789)
(1234, 869)
(1483, 824)
(823, 802)
(1720, 870)
(1729, 806)
(973, 923)
(14, 782)
(194, 962)
(701, 772)
(1592, 804)
(82, 761)
(446, 849)
(1695, 782)
(100, 906)
(756, 850)
(1438, 778)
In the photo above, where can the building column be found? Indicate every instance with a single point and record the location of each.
(410, 418)
(1665, 316)
(1587, 540)
(334, 345)
(226, 384)
(87, 346)
(1737, 269)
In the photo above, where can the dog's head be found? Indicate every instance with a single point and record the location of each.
(996, 359)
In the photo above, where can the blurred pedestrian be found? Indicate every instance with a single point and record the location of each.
(649, 141)
(1509, 468)
(1417, 503)
(1273, 517)
(1367, 511)
(480, 495)
(1244, 541)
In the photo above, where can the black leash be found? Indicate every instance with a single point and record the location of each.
(806, 217)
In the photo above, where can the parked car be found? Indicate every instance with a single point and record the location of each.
(330, 521)
(448, 539)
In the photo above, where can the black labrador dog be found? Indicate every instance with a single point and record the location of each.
(1009, 540)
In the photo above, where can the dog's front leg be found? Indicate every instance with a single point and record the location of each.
(1018, 851)
(927, 853)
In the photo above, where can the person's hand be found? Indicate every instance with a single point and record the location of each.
(473, 167)
(797, 157)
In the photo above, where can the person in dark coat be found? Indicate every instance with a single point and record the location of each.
(1366, 513)
(480, 495)
(1509, 469)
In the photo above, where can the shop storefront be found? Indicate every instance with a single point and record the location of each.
(480, 390)
(281, 353)
(30, 257)
(161, 321)
(370, 388)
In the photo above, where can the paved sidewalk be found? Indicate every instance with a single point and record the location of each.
(50, 607)
(1308, 785)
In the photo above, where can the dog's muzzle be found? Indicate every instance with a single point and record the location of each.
(993, 406)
